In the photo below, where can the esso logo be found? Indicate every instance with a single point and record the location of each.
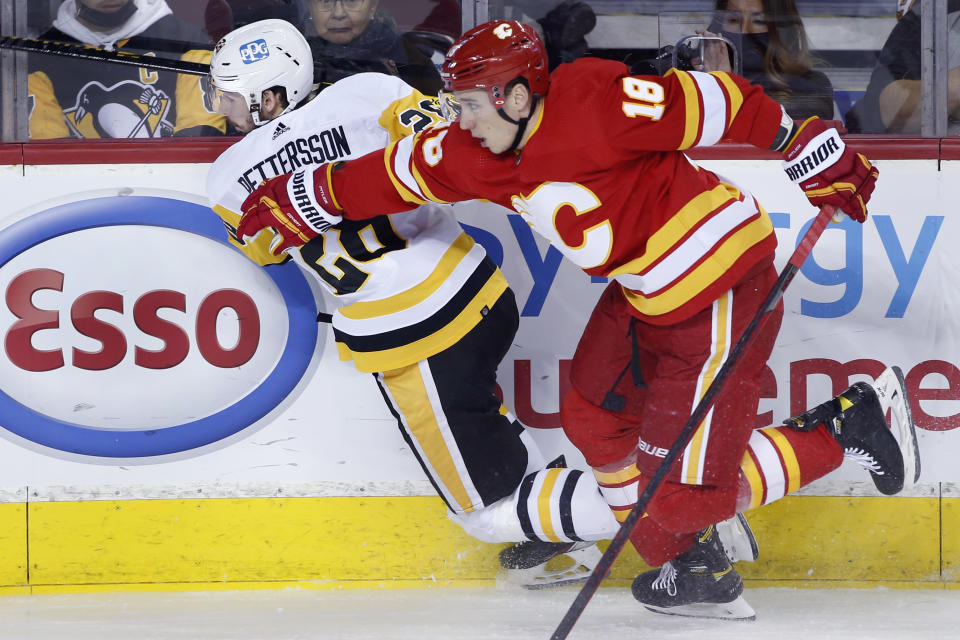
(253, 51)
(131, 328)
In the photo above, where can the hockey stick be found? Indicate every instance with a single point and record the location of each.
(323, 65)
(616, 545)
(86, 52)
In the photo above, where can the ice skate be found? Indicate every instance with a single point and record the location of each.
(856, 419)
(542, 565)
(700, 583)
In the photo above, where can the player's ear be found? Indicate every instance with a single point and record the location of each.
(520, 97)
(271, 103)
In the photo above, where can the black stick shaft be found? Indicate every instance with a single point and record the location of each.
(86, 52)
(626, 529)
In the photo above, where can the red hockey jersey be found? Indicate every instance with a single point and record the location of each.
(603, 178)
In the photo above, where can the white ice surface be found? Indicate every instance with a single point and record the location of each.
(469, 614)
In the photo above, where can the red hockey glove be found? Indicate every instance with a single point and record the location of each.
(819, 161)
(298, 206)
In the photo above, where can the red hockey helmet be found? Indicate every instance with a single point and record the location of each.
(491, 55)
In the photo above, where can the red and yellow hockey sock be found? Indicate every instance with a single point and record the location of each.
(780, 460)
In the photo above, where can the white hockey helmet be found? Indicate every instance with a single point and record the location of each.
(260, 56)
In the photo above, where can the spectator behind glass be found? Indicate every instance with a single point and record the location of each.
(564, 31)
(563, 25)
(436, 16)
(892, 101)
(351, 36)
(69, 97)
(246, 11)
(774, 54)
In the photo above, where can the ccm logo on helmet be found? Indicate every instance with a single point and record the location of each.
(253, 51)
(131, 328)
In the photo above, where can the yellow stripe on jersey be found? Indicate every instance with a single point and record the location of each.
(409, 391)
(230, 217)
(401, 188)
(415, 295)
(691, 102)
(621, 513)
(788, 455)
(387, 359)
(706, 273)
(694, 452)
(403, 118)
(543, 505)
(535, 125)
(733, 93)
(702, 206)
(257, 249)
(424, 188)
(749, 469)
(399, 121)
(620, 476)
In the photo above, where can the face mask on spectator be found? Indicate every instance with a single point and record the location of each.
(106, 19)
(752, 46)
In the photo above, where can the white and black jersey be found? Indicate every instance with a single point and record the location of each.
(425, 310)
(410, 284)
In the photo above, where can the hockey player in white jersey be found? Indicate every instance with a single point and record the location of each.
(422, 306)
(488, 471)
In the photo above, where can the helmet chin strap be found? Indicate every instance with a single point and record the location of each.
(521, 123)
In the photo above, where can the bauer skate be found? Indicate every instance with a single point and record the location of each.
(699, 583)
(526, 562)
(856, 419)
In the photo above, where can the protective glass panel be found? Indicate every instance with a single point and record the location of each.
(59, 96)
(953, 68)
(70, 96)
(768, 49)
(829, 57)
(408, 38)
(870, 58)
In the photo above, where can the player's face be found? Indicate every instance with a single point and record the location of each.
(234, 107)
(480, 118)
(340, 21)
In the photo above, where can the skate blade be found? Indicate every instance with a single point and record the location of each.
(892, 391)
(737, 609)
(541, 577)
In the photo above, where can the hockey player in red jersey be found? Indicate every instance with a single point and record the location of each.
(591, 157)
(419, 304)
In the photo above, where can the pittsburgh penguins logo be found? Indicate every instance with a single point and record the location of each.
(126, 110)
